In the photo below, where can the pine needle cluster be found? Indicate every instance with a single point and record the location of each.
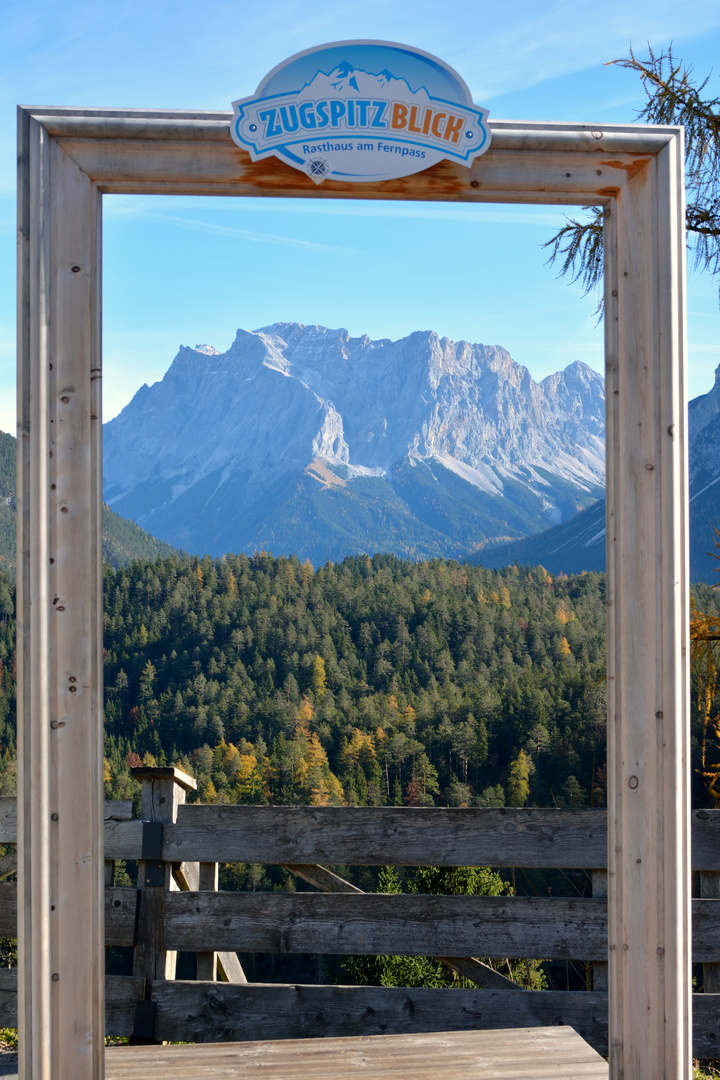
(673, 97)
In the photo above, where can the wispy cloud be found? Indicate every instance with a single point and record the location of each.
(233, 231)
(347, 208)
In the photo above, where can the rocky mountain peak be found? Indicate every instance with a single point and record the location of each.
(229, 428)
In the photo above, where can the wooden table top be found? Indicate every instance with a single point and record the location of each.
(552, 1053)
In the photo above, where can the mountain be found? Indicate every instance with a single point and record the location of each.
(579, 544)
(123, 541)
(303, 439)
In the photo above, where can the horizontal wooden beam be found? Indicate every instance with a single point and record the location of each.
(465, 966)
(192, 152)
(191, 125)
(221, 1012)
(404, 836)
(399, 836)
(483, 926)
(120, 914)
(202, 1013)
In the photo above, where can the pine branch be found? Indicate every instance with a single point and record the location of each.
(673, 98)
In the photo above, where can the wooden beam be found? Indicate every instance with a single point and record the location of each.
(465, 966)
(648, 647)
(61, 939)
(374, 923)
(528, 838)
(400, 836)
(599, 968)
(200, 1012)
(492, 926)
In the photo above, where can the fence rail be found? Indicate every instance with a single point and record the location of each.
(379, 836)
(176, 908)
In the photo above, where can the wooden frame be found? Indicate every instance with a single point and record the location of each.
(67, 160)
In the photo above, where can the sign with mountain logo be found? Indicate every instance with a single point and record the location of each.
(360, 111)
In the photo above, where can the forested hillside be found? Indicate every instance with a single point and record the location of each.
(372, 681)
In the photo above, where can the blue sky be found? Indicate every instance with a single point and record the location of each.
(193, 270)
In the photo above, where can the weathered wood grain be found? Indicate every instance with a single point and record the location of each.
(202, 1012)
(492, 926)
(207, 882)
(118, 810)
(372, 923)
(121, 916)
(534, 1054)
(648, 649)
(539, 838)
(401, 836)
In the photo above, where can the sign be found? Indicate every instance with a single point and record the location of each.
(359, 111)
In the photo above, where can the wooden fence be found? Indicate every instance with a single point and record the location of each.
(176, 906)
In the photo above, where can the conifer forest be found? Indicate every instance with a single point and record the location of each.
(375, 681)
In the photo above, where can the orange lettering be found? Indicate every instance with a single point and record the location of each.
(436, 124)
(412, 122)
(399, 115)
(453, 128)
(426, 121)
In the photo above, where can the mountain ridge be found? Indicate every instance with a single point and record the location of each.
(214, 457)
(578, 544)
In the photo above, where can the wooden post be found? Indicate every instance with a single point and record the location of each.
(163, 790)
(648, 648)
(59, 552)
(65, 158)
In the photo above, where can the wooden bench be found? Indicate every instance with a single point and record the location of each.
(555, 1053)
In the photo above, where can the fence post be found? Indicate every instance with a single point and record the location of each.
(163, 790)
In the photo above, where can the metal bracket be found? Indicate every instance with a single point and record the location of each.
(152, 837)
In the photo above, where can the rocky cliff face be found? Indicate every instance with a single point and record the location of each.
(579, 544)
(304, 439)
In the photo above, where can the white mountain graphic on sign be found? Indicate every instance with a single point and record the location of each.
(348, 81)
